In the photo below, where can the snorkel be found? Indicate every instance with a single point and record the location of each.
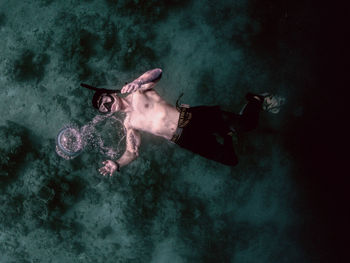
(100, 88)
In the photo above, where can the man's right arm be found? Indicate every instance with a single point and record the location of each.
(133, 141)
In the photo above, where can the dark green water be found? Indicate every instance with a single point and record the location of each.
(169, 205)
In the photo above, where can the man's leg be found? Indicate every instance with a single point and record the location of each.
(207, 146)
(199, 136)
(248, 119)
(214, 120)
(209, 119)
(222, 153)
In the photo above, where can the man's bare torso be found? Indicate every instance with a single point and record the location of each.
(145, 111)
(150, 113)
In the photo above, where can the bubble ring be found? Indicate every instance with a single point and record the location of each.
(72, 140)
(62, 142)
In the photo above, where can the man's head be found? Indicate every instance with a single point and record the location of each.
(106, 102)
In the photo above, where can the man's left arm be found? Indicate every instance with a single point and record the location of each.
(145, 82)
(133, 141)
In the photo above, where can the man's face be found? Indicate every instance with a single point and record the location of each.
(109, 103)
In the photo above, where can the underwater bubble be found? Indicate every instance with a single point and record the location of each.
(106, 134)
(69, 142)
(109, 137)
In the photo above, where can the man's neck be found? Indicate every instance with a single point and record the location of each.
(126, 103)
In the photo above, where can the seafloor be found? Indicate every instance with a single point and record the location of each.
(169, 205)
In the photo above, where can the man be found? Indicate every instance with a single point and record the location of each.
(194, 128)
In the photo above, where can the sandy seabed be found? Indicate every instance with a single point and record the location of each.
(169, 205)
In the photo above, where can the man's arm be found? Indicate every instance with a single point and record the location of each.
(145, 82)
(133, 141)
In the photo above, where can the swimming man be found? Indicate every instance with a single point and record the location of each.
(194, 128)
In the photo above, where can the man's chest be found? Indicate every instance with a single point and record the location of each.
(148, 103)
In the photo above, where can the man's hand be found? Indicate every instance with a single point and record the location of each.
(147, 80)
(131, 87)
(109, 168)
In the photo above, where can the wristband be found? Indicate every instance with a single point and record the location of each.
(118, 166)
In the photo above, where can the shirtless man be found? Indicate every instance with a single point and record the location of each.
(196, 129)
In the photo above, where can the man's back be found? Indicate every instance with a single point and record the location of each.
(150, 113)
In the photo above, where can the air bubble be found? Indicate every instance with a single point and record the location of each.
(104, 133)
